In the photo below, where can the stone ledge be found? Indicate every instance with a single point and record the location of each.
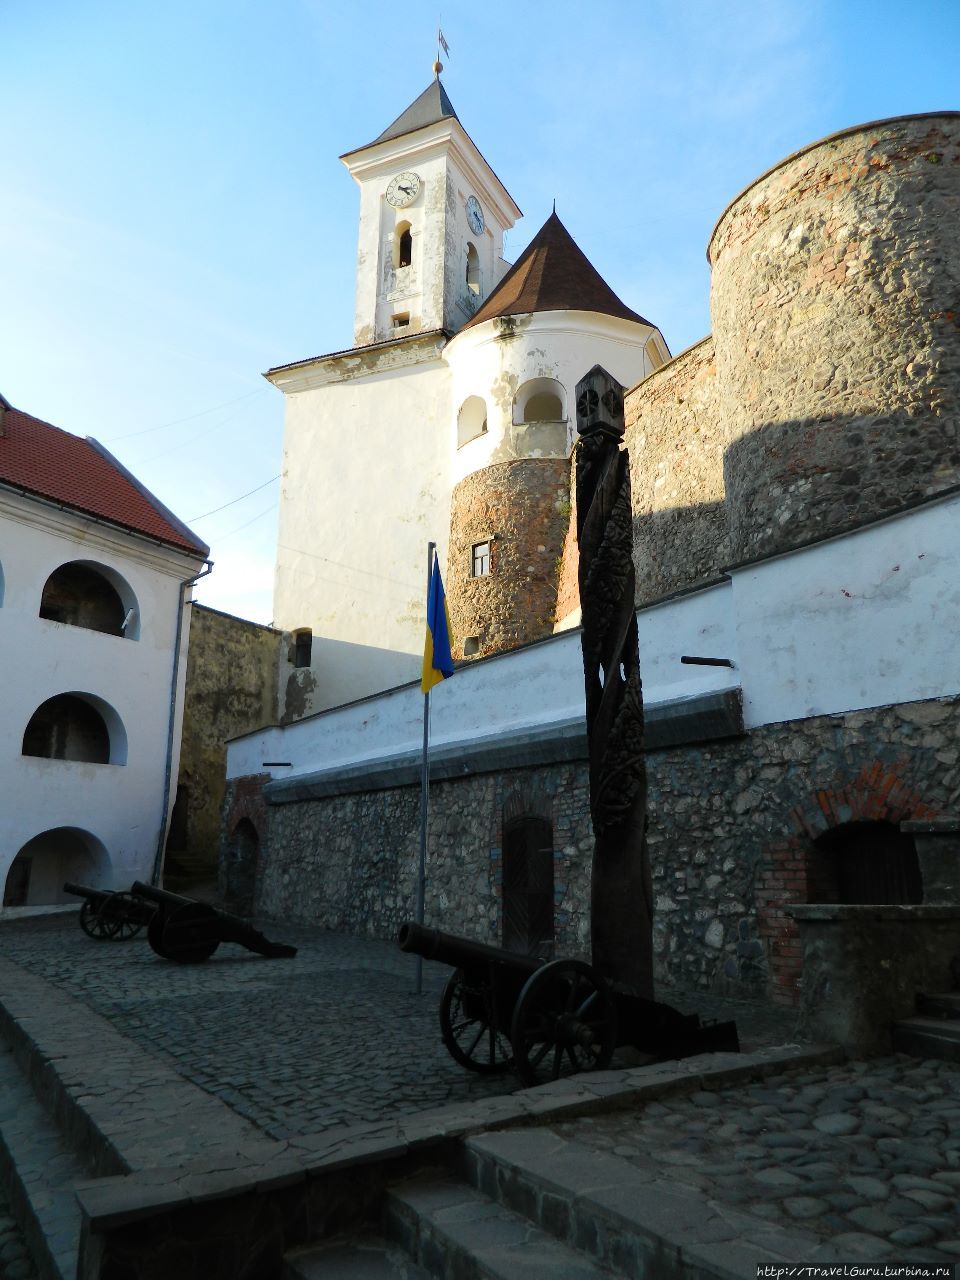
(898, 913)
(699, 718)
(383, 1148)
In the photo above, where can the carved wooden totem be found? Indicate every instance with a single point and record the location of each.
(621, 909)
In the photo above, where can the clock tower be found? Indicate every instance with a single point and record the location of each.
(432, 218)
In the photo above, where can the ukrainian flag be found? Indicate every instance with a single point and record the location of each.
(437, 661)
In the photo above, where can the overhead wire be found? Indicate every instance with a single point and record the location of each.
(175, 422)
(233, 501)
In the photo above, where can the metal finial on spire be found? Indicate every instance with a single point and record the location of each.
(441, 44)
(554, 204)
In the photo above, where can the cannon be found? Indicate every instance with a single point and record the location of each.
(108, 915)
(189, 932)
(501, 1010)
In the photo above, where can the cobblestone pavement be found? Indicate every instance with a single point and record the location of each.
(866, 1154)
(336, 1035)
(15, 1261)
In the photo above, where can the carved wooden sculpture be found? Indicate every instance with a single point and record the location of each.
(621, 911)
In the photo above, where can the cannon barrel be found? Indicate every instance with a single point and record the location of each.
(163, 897)
(460, 953)
(219, 924)
(84, 891)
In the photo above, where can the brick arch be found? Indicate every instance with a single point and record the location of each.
(880, 792)
(526, 801)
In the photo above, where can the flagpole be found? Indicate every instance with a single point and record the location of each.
(424, 792)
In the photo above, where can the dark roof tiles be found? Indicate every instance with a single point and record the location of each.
(53, 464)
(552, 274)
(432, 106)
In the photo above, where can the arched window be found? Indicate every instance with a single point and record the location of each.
(473, 269)
(471, 420)
(539, 400)
(865, 862)
(77, 727)
(84, 594)
(402, 245)
(37, 873)
(528, 885)
(1, 585)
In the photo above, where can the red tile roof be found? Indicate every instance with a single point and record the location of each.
(43, 460)
(552, 274)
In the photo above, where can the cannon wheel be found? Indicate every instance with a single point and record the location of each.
(467, 1027)
(95, 920)
(188, 934)
(116, 913)
(565, 1021)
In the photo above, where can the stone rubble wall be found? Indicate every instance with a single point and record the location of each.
(731, 824)
(676, 439)
(523, 508)
(835, 299)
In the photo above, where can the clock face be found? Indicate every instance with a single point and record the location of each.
(403, 189)
(475, 215)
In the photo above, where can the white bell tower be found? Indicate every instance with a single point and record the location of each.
(432, 218)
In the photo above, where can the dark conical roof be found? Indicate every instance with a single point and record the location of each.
(432, 105)
(553, 274)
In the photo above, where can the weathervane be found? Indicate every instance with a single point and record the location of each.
(441, 44)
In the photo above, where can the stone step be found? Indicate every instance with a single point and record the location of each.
(451, 1229)
(944, 1005)
(629, 1220)
(367, 1259)
(38, 1174)
(927, 1038)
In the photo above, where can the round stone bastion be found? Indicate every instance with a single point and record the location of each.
(835, 299)
(521, 510)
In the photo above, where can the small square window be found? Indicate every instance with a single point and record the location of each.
(471, 646)
(401, 319)
(480, 560)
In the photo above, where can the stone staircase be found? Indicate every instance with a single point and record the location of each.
(527, 1204)
(933, 1031)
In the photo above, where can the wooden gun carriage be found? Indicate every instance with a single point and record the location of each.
(189, 932)
(178, 928)
(502, 1010)
(110, 916)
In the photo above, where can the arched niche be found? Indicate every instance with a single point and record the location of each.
(243, 862)
(864, 862)
(540, 400)
(473, 269)
(83, 593)
(36, 876)
(78, 727)
(471, 420)
(528, 890)
(402, 245)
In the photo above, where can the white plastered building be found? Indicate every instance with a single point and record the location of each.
(459, 363)
(94, 575)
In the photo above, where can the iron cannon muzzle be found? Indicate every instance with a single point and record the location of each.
(460, 953)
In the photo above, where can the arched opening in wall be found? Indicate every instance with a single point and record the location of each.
(243, 860)
(78, 727)
(539, 400)
(38, 872)
(471, 420)
(528, 924)
(402, 245)
(473, 269)
(84, 594)
(864, 862)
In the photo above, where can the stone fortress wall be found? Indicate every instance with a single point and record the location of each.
(825, 399)
(828, 392)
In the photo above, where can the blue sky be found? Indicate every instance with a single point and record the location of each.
(175, 219)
